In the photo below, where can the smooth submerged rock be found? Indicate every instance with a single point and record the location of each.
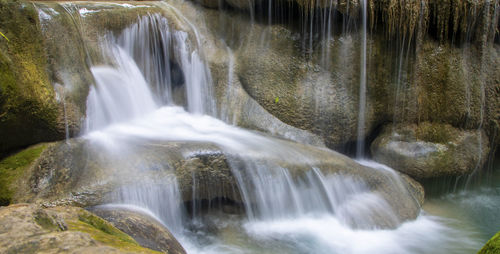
(26, 228)
(431, 150)
(146, 230)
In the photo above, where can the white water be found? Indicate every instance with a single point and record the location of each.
(315, 213)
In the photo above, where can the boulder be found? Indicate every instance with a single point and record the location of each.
(28, 228)
(146, 230)
(492, 246)
(431, 150)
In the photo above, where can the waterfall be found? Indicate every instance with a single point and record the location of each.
(127, 102)
(134, 101)
(360, 144)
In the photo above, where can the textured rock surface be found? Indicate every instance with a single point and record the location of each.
(32, 229)
(430, 150)
(146, 230)
(318, 91)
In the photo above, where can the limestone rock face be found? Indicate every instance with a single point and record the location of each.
(147, 231)
(431, 150)
(315, 87)
(28, 228)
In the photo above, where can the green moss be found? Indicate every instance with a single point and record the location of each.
(105, 233)
(13, 167)
(28, 110)
(492, 246)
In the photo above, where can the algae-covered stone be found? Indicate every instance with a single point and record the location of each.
(492, 246)
(28, 228)
(28, 107)
(146, 230)
(13, 169)
(430, 150)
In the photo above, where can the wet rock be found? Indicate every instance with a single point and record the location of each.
(28, 228)
(147, 231)
(431, 150)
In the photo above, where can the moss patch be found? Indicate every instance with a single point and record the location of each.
(13, 167)
(492, 246)
(105, 233)
(28, 109)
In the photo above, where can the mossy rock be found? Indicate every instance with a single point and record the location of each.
(28, 108)
(492, 246)
(146, 230)
(31, 228)
(13, 168)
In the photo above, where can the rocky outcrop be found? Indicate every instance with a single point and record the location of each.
(147, 231)
(431, 150)
(492, 246)
(30, 228)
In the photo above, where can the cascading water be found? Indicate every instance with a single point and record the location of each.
(300, 211)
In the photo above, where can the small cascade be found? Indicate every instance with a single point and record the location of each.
(121, 93)
(360, 143)
(161, 198)
(346, 198)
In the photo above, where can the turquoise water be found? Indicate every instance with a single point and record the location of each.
(475, 208)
